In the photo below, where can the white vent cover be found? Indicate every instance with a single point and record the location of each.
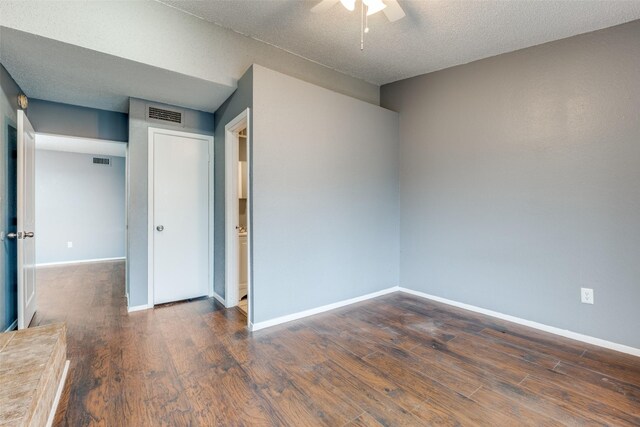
(102, 161)
(164, 115)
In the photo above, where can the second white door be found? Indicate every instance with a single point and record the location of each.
(181, 216)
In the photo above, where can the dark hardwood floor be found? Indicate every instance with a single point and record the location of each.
(394, 360)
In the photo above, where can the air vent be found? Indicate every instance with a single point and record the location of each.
(102, 161)
(165, 115)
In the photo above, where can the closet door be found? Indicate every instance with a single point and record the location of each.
(181, 217)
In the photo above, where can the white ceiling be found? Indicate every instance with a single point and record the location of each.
(434, 35)
(81, 145)
(56, 71)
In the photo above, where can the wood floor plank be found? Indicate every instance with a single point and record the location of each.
(436, 397)
(504, 368)
(395, 360)
(561, 381)
(389, 405)
(595, 408)
(621, 368)
(418, 327)
(348, 365)
(514, 410)
(526, 354)
(505, 387)
(364, 420)
(631, 391)
(454, 380)
(361, 339)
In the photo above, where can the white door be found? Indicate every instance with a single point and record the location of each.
(26, 221)
(181, 218)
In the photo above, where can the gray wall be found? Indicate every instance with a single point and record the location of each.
(9, 92)
(241, 99)
(64, 119)
(520, 182)
(325, 189)
(194, 121)
(79, 202)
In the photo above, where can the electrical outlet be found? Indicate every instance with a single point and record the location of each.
(69, 244)
(586, 295)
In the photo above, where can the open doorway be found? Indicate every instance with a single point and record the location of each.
(80, 200)
(238, 214)
(80, 215)
(243, 247)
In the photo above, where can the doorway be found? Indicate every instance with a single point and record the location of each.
(243, 247)
(80, 200)
(81, 209)
(238, 214)
(180, 216)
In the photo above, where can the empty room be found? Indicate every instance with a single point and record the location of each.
(319, 212)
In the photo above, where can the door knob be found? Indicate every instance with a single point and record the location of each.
(28, 234)
(160, 227)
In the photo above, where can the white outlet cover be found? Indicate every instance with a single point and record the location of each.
(586, 295)
(69, 244)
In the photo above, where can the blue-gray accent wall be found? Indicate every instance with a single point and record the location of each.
(9, 91)
(72, 120)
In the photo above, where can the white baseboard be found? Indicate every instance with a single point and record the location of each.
(12, 326)
(138, 308)
(317, 310)
(56, 399)
(551, 329)
(81, 261)
(220, 299)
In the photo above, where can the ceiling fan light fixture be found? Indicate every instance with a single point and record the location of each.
(350, 5)
(374, 6)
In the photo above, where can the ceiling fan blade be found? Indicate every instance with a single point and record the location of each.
(323, 6)
(393, 10)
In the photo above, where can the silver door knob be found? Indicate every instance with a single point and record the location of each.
(28, 234)
(160, 227)
(12, 235)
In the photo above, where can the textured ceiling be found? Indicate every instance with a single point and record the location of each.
(434, 34)
(55, 71)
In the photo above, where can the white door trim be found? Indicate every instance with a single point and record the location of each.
(231, 129)
(150, 228)
(127, 174)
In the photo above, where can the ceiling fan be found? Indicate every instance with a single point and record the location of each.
(390, 8)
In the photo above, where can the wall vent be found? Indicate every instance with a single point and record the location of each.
(102, 161)
(164, 115)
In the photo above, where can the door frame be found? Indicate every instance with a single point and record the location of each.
(150, 211)
(231, 276)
